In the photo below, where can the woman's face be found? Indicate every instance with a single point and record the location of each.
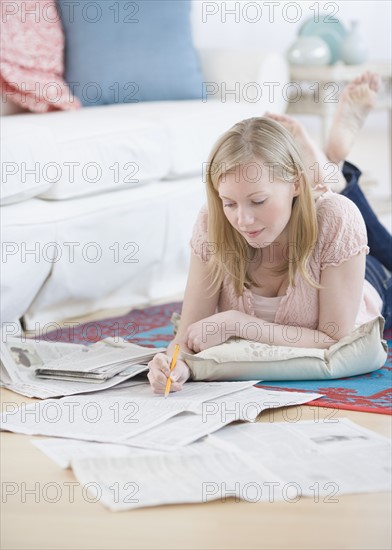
(257, 204)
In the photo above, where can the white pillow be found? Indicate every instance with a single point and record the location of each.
(238, 359)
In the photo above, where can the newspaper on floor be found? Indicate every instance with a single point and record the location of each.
(133, 482)
(64, 451)
(171, 431)
(99, 361)
(77, 368)
(256, 462)
(103, 417)
(211, 415)
(331, 456)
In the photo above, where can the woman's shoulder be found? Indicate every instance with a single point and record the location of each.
(201, 221)
(337, 210)
(199, 233)
(203, 212)
(330, 199)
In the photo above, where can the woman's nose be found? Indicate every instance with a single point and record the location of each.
(245, 218)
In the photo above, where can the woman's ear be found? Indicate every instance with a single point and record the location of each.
(296, 187)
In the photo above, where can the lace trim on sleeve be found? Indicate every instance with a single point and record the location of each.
(345, 259)
(342, 230)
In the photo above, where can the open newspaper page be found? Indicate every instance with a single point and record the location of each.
(99, 361)
(21, 357)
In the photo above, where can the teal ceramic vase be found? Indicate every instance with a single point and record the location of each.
(354, 47)
(309, 50)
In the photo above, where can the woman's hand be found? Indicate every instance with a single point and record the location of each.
(213, 330)
(160, 370)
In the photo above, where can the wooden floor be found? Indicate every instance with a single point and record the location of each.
(35, 521)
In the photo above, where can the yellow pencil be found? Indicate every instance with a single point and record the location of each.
(172, 365)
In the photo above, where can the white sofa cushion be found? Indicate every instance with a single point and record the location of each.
(98, 149)
(89, 151)
(192, 127)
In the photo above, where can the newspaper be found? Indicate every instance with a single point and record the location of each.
(105, 418)
(256, 462)
(214, 414)
(101, 360)
(333, 456)
(62, 451)
(139, 418)
(52, 369)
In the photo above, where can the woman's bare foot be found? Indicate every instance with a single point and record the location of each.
(316, 163)
(355, 102)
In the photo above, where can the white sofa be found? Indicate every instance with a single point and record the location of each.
(98, 204)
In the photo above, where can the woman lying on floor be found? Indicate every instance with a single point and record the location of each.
(294, 256)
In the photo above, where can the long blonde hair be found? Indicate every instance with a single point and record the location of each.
(247, 141)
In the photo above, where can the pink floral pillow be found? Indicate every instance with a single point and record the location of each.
(31, 64)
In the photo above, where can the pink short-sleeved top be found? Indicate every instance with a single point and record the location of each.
(342, 234)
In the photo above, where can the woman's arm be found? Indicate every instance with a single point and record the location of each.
(215, 330)
(339, 302)
(341, 296)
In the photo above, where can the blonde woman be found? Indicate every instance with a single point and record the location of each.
(277, 256)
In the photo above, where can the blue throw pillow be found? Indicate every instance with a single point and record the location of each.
(123, 52)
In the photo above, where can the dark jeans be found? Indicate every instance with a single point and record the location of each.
(379, 259)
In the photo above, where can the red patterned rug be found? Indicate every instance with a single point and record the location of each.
(152, 327)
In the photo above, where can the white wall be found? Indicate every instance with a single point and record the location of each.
(249, 25)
